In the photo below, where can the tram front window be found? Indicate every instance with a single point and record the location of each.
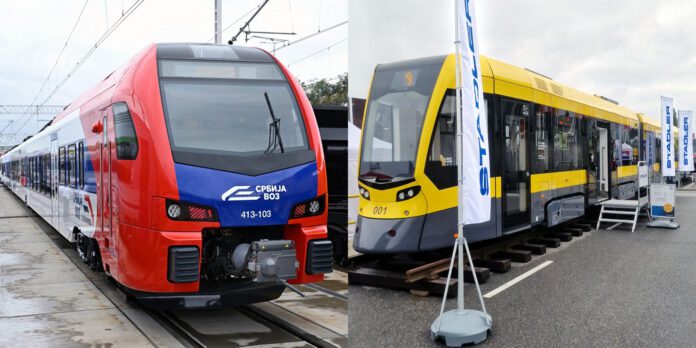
(395, 114)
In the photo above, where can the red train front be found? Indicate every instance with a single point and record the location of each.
(204, 177)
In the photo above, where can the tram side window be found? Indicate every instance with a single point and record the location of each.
(126, 139)
(61, 165)
(540, 159)
(566, 142)
(441, 166)
(71, 165)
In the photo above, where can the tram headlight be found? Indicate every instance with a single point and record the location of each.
(364, 193)
(183, 211)
(313, 207)
(407, 193)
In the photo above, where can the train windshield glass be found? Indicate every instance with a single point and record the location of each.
(230, 108)
(392, 127)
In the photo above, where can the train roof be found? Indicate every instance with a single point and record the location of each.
(543, 87)
(205, 51)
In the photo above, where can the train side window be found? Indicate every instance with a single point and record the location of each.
(540, 159)
(126, 139)
(81, 165)
(61, 165)
(71, 165)
(441, 164)
(566, 148)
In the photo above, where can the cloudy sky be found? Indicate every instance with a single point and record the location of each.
(34, 32)
(630, 51)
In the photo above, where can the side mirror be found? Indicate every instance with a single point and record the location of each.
(97, 127)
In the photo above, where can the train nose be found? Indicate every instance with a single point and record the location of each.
(388, 236)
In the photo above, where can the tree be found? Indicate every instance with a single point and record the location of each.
(325, 93)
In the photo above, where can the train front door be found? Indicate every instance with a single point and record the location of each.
(53, 180)
(104, 189)
(516, 175)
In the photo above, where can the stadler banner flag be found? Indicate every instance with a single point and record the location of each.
(667, 141)
(475, 192)
(686, 150)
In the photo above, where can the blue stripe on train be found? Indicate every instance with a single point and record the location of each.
(242, 200)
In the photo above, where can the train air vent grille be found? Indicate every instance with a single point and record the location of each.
(183, 264)
(319, 257)
(557, 90)
(541, 84)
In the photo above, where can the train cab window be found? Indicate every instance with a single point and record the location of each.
(540, 158)
(441, 165)
(126, 139)
(61, 165)
(71, 165)
(81, 164)
(566, 141)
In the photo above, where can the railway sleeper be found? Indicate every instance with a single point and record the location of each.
(548, 242)
(513, 255)
(482, 274)
(563, 237)
(494, 265)
(536, 249)
(584, 226)
(576, 232)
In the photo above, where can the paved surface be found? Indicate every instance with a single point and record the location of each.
(607, 288)
(45, 300)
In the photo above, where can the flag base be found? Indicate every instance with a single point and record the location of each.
(461, 327)
(663, 224)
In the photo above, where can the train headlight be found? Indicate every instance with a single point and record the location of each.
(407, 193)
(313, 207)
(182, 211)
(174, 211)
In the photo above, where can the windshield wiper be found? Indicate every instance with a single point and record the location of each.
(274, 139)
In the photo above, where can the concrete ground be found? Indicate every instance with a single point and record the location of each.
(45, 300)
(607, 288)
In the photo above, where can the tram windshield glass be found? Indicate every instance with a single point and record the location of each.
(392, 127)
(223, 108)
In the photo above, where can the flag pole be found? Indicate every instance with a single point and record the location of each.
(460, 326)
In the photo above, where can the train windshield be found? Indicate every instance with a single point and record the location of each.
(396, 110)
(230, 108)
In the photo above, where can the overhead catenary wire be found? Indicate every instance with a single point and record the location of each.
(313, 35)
(104, 36)
(317, 52)
(239, 19)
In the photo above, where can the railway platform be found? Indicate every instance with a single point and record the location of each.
(604, 288)
(45, 300)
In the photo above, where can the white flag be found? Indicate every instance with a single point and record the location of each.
(474, 166)
(686, 150)
(667, 141)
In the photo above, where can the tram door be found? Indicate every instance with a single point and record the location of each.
(105, 193)
(598, 171)
(515, 164)
(53, 180)
(603, 164)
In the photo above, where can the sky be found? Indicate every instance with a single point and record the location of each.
(630, 51)
(34, 32)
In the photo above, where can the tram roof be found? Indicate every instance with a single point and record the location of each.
(543, 87)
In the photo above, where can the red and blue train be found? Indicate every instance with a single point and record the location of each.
(193, 176)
